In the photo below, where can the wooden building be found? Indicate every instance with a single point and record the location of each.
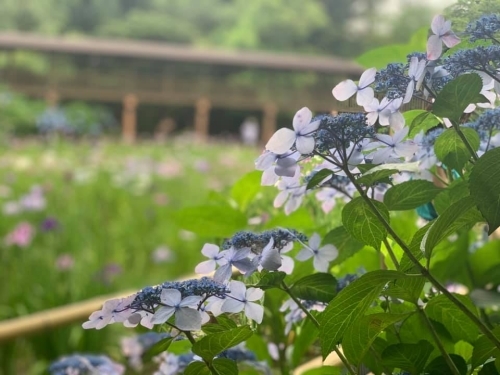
(136, 73)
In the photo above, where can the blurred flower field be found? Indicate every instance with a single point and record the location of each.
(81, 220)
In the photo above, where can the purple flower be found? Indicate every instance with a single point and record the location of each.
(49, 224)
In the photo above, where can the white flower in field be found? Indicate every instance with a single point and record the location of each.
(393, 146)
(214, 305)
(391, 115)
(301, 135)
(232, 257)
(140, 317)
(415, 72)
(291, 194)
(187, 318)
(269, 259)
(364, 93)
(441, 34)
(374, 108)
(113, 310)
(328, 198)
(287, 263)
(211, 251)
(241, 299)
(322, 256)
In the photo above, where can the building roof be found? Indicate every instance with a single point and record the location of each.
(172, 52)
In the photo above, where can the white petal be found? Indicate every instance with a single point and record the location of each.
(254, 311)
(371, 118)
(254, 294)
(191, 301)
(264, 161)
(406, 149)
(163, 314)
(413, 67)
(344, 90)
(271, 259)
(281, 141)
(170, 297)
(434, 47)
(437, 24)
(367, 78)
(269, 177)
(314, 241)
(320, 265)
(450, 39)
(383, 117)
(305, 145)
(301, 119)
(396, 120)
(281, 199)
(382, 155)
(311, 127)
(205, 267)
(400, 135)
(409, 91)
(293, 204)
(237, 289)
(328, 252)
(287, 265)
(372, 106)
(223, 273)
(232, 306)
(187, 319)
(210, 250)
(304, 254)
(365, 96)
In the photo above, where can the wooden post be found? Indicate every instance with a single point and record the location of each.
(51, 98)
(269, 121)
(202, 119)
(129, 118)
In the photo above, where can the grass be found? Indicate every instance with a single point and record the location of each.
(113, 205)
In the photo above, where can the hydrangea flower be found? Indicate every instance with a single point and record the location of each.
(187, 318)
(85, 364)
(415, 72)
(211, 251)
(364, 93)
(301, 135)
(233, 257)
(441, 34)
(322, 256)
(242, 298)
(393, 146)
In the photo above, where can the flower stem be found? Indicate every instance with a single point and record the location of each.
(439, 344)
(464, 140)
(423, 270)
(316, 323)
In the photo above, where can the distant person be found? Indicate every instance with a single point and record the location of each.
(249, 131)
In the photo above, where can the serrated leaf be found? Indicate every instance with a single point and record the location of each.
(319, 177)
(410, 194)
(360, 335)
(407, 289)
(457, 94)
(484, 185)
(361, 223)
(460, 327)
(423, 122)
(317, 287)
(439, 366)
(211, 345)
(159, 347)
(457, 190)
(371, 178)
(225, 366)
(197, 368)
(451, 149)
(462, 214)
(484, 349)
(406, 264)
(349, 305)
(485, 263)
(344, 242)
(271, 280)
(409, 357)
(211, 220)
(246, 188)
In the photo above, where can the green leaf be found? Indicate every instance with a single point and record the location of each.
(423, 122)
(438, 366)
(410, 116)
(360, 221)
(271, 280)
(485, 264)
(409, 357)
(211, 345)
(485, 298)
(406, 264)
(359, 336)
(317, 287)
(484, 185)
(460, 327)
(489, 369)
(462, 214)
(210, 328)
(324, 370)
(457, 190)
(245, 189)
(393, 167)
(160, 347)
(197, 368)
(344, 242)
(410, 194)
(408, 288)
(211, 221)
(349, 305)
(225, 366)
(318, 178)
(484, 349)
(451, 149)
(457, 94)
(305, 338)
(370, 178)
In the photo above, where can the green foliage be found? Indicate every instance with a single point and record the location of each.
(439, 366)
(451, 149)
(211, 345)
(363, 224)
(245, 189)
(320, 287)
(410, 194)
(160, 347)
(484, 185)
(485, 264)
(271, 280)
(318, 178)
(343, 241)
(423, 122)
(349, 305)
(409, 357)
(484, 349)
